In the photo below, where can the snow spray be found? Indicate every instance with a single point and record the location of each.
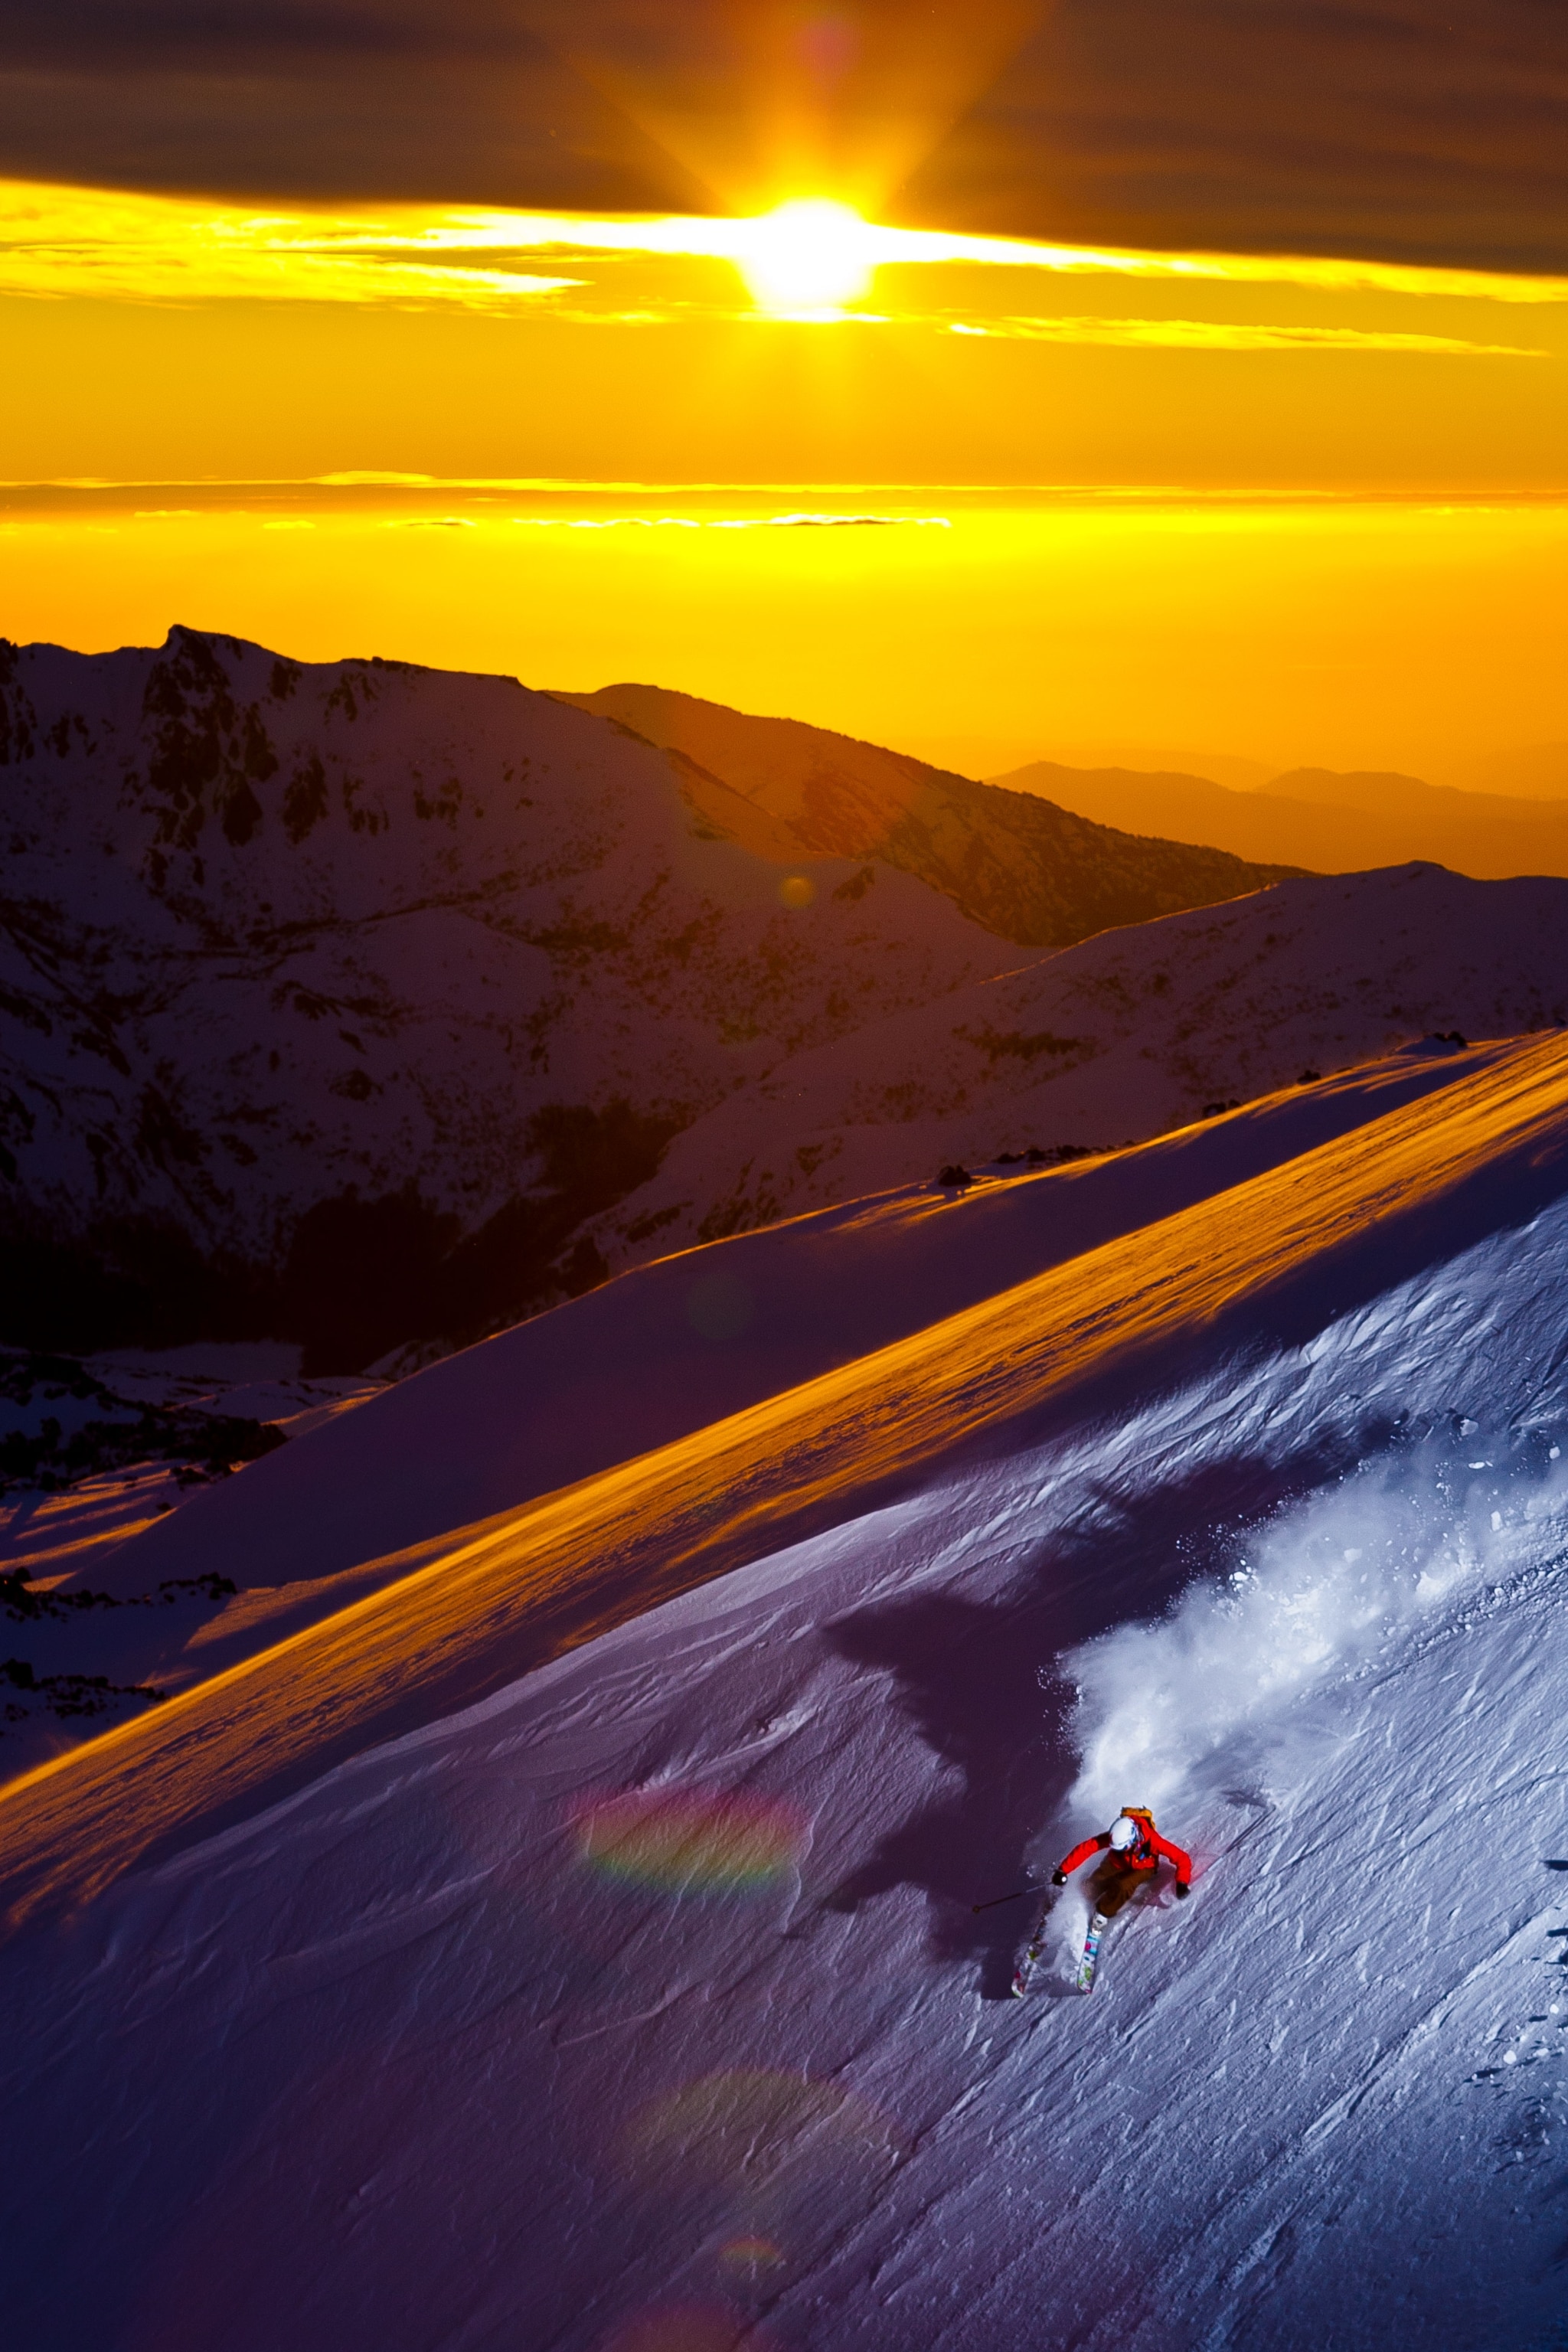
(1170, 1711)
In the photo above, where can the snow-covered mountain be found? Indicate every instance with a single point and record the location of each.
(337, 1000)
(569, 1941)
(359, 1005)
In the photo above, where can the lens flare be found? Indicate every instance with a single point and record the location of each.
(749, 2255)
(691, 1840)
(689, 2327)
(806, 257)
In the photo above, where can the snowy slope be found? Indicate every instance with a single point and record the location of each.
(359, 1004)
(668, 1348)
(1121, 1037)
(648, 1359)
(640, 2008)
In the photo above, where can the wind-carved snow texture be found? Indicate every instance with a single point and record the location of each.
(642, 2006)
(641, 1361)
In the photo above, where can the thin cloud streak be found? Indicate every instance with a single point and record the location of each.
(355, 495)
(61, 243)
(1221, 335)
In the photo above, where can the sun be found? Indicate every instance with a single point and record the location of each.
(808, 257)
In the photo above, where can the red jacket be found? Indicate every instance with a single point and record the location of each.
(1144, 1855)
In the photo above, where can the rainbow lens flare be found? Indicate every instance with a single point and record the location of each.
(690, 2328)
(747, 2256)
(691, 1840)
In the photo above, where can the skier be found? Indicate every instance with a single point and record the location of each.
(1133, 1847)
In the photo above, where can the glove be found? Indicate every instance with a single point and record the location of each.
(1183, 1890)
(1058, 1878)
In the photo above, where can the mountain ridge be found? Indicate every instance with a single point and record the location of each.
(835, 795)
(1129, 1035)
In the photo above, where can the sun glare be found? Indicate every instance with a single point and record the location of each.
(809, 256)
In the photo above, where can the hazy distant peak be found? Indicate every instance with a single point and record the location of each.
(1334, 821)
(1380, 792)
(1037, 776)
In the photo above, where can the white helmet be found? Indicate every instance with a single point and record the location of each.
(1124, 1833)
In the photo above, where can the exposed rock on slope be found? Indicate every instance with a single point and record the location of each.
(1026, 870)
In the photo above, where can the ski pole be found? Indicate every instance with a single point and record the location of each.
(994, 1899)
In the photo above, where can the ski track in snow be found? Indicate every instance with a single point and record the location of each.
(641, 2009)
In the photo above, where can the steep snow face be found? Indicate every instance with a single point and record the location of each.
(1124, 1037)
(154, 1574)
(643, 2007)
(284, 942)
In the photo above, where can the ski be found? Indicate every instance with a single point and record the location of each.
(1085, 1976)
(1032, 1950)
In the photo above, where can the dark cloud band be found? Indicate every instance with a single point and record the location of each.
(1391, 127)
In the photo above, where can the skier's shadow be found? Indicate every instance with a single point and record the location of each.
(979, 1681)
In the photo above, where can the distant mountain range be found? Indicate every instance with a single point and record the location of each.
(335, 1001)
(1334, 822)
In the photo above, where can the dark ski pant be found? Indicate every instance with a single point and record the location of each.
(1113, 1886)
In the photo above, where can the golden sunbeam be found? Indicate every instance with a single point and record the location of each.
(851, 99)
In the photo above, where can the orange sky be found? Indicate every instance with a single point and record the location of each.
(1293, 509)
